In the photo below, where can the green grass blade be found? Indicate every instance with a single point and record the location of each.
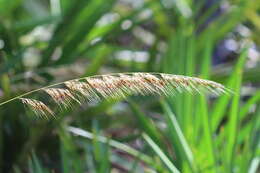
(101, 150)
(207, 139)
(219, 108)
(147, 125)
(177, 136)
(86, 21)
(232, 129)
(63, 28)
(35, 165)
(254, 167)
(161, 154)
(251, 144)
(83, 133)
(253, 100)
(98, 61)
(68, 151)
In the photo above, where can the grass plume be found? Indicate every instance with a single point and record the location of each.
(38, 107)
(118, 85)
(61, 96)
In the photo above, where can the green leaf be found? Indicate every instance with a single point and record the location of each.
(176, 136)
(232, 128)
(161, 154)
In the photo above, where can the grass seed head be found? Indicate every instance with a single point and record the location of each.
(38, 107)
(62, 97)
(120, 85)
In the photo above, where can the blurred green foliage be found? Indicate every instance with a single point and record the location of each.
(47, 41)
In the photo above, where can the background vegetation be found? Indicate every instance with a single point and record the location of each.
(47, 41)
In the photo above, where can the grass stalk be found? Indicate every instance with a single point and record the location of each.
(161, 154)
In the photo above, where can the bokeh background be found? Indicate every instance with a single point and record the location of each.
(48, 41)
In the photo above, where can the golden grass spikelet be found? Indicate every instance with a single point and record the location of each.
(119, 85)
(38, 107)
(151, 84)
(83, 90)
(182, 83)
(138, 84)
(62, 96)
(108, 86)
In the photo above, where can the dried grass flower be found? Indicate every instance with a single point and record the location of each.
(118, 85)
